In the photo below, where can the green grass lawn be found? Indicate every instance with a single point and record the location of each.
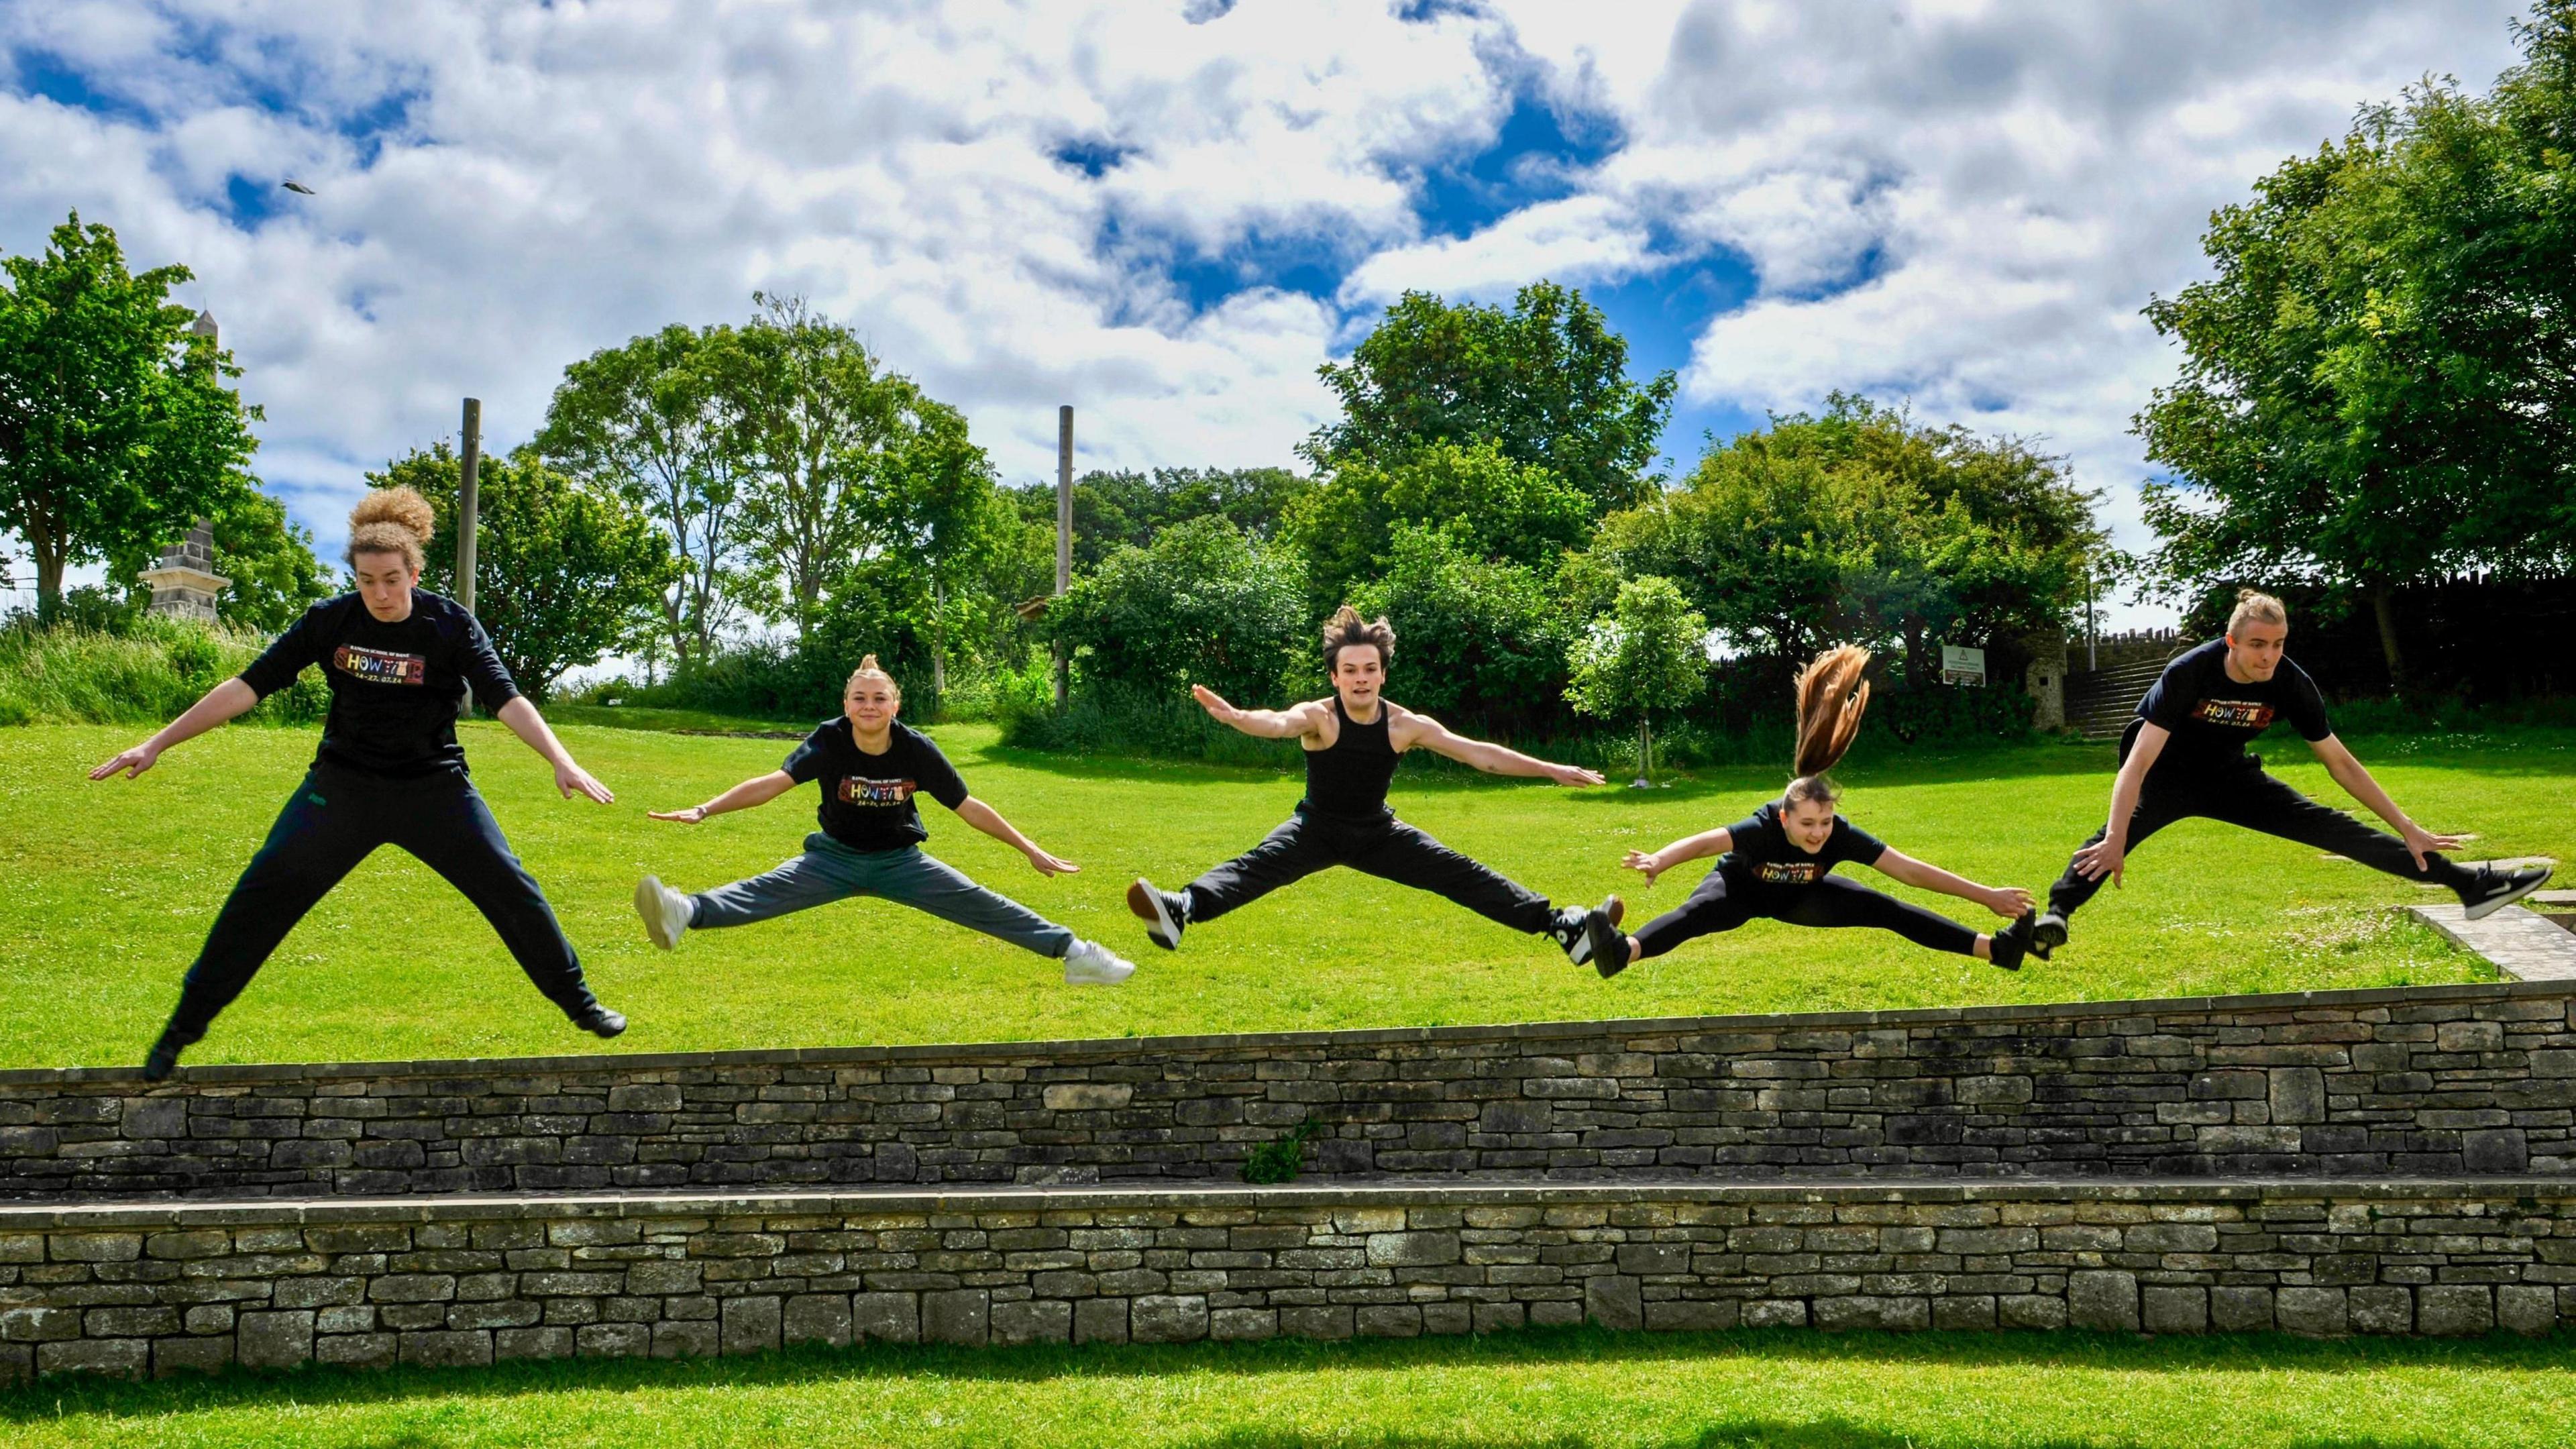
(1557, 1389)
(111, 887)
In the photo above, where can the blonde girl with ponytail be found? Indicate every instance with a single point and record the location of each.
(1778, 863)
(399, 661)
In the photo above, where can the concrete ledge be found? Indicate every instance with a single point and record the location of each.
(2523, 944)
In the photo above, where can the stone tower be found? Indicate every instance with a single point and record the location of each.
(184, 583)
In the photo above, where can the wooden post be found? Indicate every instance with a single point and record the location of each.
(468, 501)
(1063, 535)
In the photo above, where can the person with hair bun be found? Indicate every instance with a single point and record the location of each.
(1778, 864)
(1353, 742)
(2184, 755)
(399, 661)
(870, 768)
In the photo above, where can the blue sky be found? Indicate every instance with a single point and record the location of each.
(1171, 214)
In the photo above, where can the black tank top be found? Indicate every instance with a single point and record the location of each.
(1347, 780)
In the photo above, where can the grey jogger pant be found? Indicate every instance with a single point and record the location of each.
(829, 871)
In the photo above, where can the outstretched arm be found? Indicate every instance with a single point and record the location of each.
(758, 790)
(1268, 724)
(530, 726)
(2110, 855)
(2356, 781)
(1421, 731)
(989, 820)
(2005, 901)
(1689, 847)
(226, 701)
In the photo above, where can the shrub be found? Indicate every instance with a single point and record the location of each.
(1479, 646)
(145, 675)
(1203, 605)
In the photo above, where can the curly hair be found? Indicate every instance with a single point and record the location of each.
(391, 520)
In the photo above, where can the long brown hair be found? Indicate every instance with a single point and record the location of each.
(1832, 696)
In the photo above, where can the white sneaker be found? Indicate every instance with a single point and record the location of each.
(1091, 964)
(666, 912)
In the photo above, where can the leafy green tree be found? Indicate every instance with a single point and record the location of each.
(1115, 509)
(1649, 652)
(564, 571)
(2378, 385)
(1480, 645)
(1203, 605)
(1546, 382)
(1490, 505)
(270, 560)
(116, 431)
(649, 419)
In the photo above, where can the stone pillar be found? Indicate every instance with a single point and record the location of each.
(2046, 682)
(184, 582)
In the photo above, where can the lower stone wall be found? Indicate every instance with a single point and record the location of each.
(157, 1290)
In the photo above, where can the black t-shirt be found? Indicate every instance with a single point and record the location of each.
(1761, 855)
(867, 799)
(2212, 717)
(396, 689)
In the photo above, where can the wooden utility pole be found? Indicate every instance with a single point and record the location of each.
(468, 500)
(1063, 534)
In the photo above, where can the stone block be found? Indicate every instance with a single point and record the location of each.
(1775, 1313)
(1689, 1315)
(613, 1340)
(2454, 1310)
(1389, 1320)
(684, 1339)
(2169, 1308)
(751, 1324)
(1555, 1313)
(1443, 1319)
(1499, 1317)
(1614, 1300)
(2297, 1095)
(817, 1318)
(885, 1317)
(1846, 1312)
(961, 1315)
(190, 1355)
(1330, 1323)
(123, 1358)
(2103, 1300)
(358, 1350)
(509, 1343)
(1229, 1325)
(1087, 1096)
(1643, 1259)
(664, 1275)
(2495, 1150)
(2240, 1310)
(2313, 1312)
(2526, 1308)
(2030, 1310)
(1965, 1311)
(275, 1340)
(495, 1313)
(1168, 1318)
(448, 1348)
(1032, 1320)
(1100, 1320)
(2387, 1308)
(2469, 1036)
(1412, 1250)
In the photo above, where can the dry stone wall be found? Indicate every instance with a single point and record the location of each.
(136, 1291)
(2438, 1081)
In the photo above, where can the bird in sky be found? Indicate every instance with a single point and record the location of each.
(299, 188)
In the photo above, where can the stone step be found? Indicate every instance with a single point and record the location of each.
(464, 1281)
(2524, 945)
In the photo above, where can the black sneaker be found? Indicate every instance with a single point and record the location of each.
(1609, 951)
(600, 1021)
(2492, 890)
(2012, 943)
(163, 1059)
(1570, 934)
(1165, 913)
(2047, 934)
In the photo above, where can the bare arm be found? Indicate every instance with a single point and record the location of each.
(1421, 731)
(2356, 781)
(2005, 901)
(1267, 724)
(758, 790)
(1689, 847)
(226, 701)
(2109, 856)
(989, 820)
(530, 726)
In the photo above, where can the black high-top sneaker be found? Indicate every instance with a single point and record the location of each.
(163, 1059)
(1569, 933)
(1609, 945)
(599, 1021)
(2491, 890)
(2012, 943)
(2047, 934)
(1165, 913)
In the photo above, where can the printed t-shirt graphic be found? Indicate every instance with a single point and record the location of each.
(395, 687)
(868, 800)
(2212, 717)
(381, 666)
(1760, 853)
(856, 790)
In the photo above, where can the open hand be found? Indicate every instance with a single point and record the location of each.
(690, 816)
(1646, 862)
(2104, 857)
(1050, 865)
(571, 778)
(1214, 703)
(1573, 775)
(131, 763)
(2008, 902)
(2420, 841)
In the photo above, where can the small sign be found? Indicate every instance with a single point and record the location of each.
(1962, 665)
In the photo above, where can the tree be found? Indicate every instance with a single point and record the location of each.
(1114, 509)
(1647, 652)
(1493, 507)
(2378, 385)
(116, 432)
(269, 559)
(564, 571)
(1546, 383)
(648, 420)
(1479, 644)
(1204, 605)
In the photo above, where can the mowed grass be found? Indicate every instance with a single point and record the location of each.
(1547, 1390)
(111, 886)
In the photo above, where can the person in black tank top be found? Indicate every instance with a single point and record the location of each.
(1353, 742)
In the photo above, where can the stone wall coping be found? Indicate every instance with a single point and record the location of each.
(489, 1207)
(846, 1056)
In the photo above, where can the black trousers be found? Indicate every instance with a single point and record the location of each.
(336, 819)
(2245, 795)
(1718, 905)
(1387, 848)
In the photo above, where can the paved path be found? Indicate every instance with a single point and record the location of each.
(2524, 945)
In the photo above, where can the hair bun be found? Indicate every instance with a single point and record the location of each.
(402, 507)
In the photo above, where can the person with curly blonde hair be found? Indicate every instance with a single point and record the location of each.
(399, 661)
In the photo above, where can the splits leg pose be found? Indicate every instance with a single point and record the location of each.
(1353, 742)
(1778, 864)
(870, 767)
(2184, 755)
(398, 660)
